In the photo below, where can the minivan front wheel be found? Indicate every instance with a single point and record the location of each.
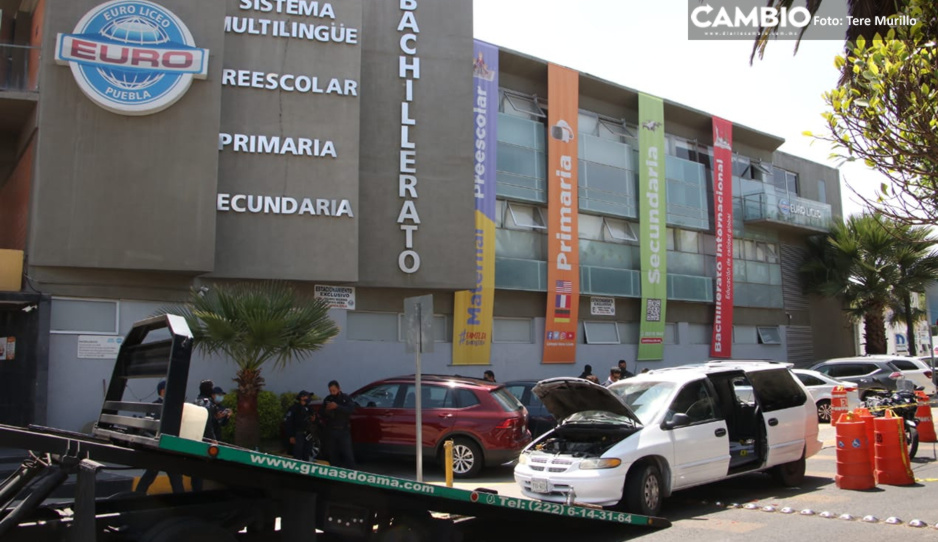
(467, 458)
(643, 490)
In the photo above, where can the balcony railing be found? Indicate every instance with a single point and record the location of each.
(782, 209)
(19, 68)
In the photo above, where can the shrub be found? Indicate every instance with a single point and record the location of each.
(270, 414)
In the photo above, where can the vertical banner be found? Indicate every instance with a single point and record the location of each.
(563, 250)
(472, 321)
(652, 195)
(721, 345)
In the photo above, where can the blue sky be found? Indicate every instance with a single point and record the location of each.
(643, 45)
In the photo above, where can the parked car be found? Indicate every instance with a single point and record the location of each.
(821, 386)
(631, 445)
(539, 419)
(872, 373)
(487, 424)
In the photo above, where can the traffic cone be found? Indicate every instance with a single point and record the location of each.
(838, 404)
(854, 470)
(867, 418)
(923, 419)
(892, 454)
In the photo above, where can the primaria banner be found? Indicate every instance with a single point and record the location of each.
(721, 346)
(472, 321)
(652, 219)
(563, 252)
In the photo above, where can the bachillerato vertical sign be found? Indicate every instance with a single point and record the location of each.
(721, 345)
(472, 315)
(652, 224)
(563, 252)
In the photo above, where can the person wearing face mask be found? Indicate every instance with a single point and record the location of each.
(222, 414)
(294, 423)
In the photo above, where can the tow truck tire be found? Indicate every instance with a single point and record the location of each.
(186, 529)
(643, 490)
(467, 458)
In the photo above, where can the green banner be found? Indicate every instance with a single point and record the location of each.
(652, 203)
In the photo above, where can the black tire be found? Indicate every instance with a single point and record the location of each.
(911, 440)
(824, 411)
(186, 529)
(467, 458)
(790, 474)
(643, 490)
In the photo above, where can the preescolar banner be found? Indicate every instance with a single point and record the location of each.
(652, 195)
(721, 345)
(472, 324)
(563, 251)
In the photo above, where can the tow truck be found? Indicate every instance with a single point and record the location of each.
(256, 497)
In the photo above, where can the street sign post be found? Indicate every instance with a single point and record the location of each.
(418, 334)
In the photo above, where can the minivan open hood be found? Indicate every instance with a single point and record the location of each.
(564, 396)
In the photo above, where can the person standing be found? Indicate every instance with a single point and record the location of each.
(213, 423)
(146, 480)
(488, 376)
(624, 369)
(614, 374)
(337, 410)
(587, 371)
(294, 423)
(223, 414)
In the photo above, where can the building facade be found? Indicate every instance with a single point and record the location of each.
(371, 152)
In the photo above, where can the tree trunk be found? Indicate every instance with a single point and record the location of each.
(909, 325)
(247, 426)
(875, 331)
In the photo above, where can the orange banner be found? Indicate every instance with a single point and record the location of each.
(563, 251)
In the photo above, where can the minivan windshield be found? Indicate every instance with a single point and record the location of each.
(646, 399)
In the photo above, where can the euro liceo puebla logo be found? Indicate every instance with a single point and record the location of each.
(132, 57)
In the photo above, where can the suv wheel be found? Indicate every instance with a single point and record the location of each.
(467, 458)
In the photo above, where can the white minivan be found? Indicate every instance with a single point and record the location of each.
(633, 444)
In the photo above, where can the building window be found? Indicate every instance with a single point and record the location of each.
(524, 217)
(745, 335)
(618, 231)
(513, 330)
(442, 331)
(822, 191)
(670, 334)
(372, 326)
(769, 335)
(77, 316)
(601, 332)
(521, 105)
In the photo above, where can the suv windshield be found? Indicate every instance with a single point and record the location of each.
(646, 399)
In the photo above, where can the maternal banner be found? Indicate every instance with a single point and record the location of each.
(652, 221)
(472, 323)
(721, 345)
(563, 252)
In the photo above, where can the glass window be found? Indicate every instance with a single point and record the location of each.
(84, 316)
(769, 335)
(441, 328)
(587, 123)
(670, 334)
(590, 226)
(515, 103)
(513, 330)
(431, 396)
(771, 253)
(465, 398)
(380, 396)
(694, 400)
(809, 380)
(687, 241)
(508, 402)
(628, 333)
(525, 217)
(776, 389)
(744, 335)
(371, 326)
(616, 131)
(601, 332)
(671, 239)
(618, 230)
(904, 365)
(822, 191)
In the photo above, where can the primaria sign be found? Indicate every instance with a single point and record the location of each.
(132, 57)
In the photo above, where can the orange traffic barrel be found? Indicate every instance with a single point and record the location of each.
(838, 404)
(854, 470)
(892, 454)
(867, 418)
(923, 419)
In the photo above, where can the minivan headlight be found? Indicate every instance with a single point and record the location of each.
(523, 459)
(600, 463)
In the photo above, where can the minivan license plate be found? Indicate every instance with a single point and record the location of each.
(539, 486)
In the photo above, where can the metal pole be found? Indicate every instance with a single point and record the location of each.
(419, 398)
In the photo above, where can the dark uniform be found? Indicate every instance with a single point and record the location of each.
(295, 427)
(338, 441)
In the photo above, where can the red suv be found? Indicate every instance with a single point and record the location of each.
(488, 424)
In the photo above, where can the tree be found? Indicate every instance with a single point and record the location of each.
(253, 324)
(871, 266)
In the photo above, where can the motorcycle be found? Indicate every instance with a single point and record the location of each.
(903, 403)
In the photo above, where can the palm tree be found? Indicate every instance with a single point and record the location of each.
(917, 269)
(252, 324)
(854, 263)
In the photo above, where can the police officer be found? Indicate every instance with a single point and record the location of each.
(337, 410)
(294, 423)
(175, 479)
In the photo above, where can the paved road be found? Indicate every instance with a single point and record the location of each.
(750, 507)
